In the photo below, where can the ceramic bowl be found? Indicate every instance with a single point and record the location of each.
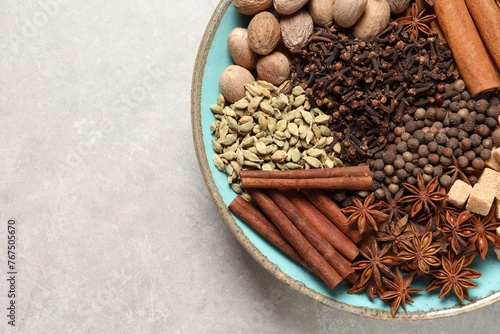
(212, 59)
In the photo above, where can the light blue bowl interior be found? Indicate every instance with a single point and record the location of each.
(217, 60)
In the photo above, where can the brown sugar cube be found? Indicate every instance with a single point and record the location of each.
(498, 210)
(491, 178)
(480, 199)
(494, 161)
(495, 154)
(459, 193)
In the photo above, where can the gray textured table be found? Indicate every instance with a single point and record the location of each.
(116, 232)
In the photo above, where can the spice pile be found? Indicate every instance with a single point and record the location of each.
(363, 147)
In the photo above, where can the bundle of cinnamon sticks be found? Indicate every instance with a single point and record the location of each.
(472, 30)
(294, 213)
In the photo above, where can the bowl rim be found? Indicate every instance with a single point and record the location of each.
(196, 126)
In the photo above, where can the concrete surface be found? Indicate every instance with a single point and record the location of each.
(115, 229)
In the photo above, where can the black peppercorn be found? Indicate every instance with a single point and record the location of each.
(433, 158)
(379, 175)
(440, 114)
(483, 130)
(389, 157)
(409, 167)
(421, 162)
(378, 164)
(455, 119)
(471, 105)
(475, 140)
(469, 125)
(401, 174)
(423, 151)
(411, 126)
(445, 161)
(482, 105)
(495, 137)
(462, 134)
(488, 143)
(399, 162)
(465, 144)
(407, 156)
(405, 136)
(478, 164)
(478, 149)
(485, 154)
(411, 180)
(462, 162)
(480, 118)
(493, 111)
(429, 169)
(413, 144)
(432, 146)
(438, 171)
(402, 147)
(470, 155)
(441, 138)
(452, 143)
(491, 122)
(458, 152)
(454, 106)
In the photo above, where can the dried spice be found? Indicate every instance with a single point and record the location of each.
(417, 22)
(423, 197)
(483, 232)
(364, 214)
(374, 266)
(420, 253)
(457, 230)
(454, 276)
(366, 85)
(399, 291)
(395, 234)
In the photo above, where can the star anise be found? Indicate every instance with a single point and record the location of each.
(417, 22)
(455, 276)
(392, 205)
(484, 231)
(457, 230)
(456, 172)
(423, 196)
(365, 213)
(376, 263)
(399, 291)
(395, 234)
(419, 253)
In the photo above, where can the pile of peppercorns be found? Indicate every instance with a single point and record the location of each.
(459, 134)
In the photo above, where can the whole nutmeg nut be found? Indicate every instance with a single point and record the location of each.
(263, 33)
(252, 7)
(347, 12)
(288, 7)
(237, 44)
(398, 6)
(296, 30)
(321, 11)
(273, 68)
(232, 82)
(375, 19)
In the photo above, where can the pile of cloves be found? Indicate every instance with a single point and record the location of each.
(367, 87)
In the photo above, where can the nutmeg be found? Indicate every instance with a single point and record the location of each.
(288, 7)
(296, 30)
(274, 68)
(232, 82)
(239, 49)
(252, 7)
(347, 12)
(374, 19)
(398, 6)
(263, 33)
(321, 12)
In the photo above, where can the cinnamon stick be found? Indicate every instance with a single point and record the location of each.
(328, 230)
(312, 257)
(330, 209)
(334, 258)
(253, 217)
(473, 62)
(348, 171)
(486, 16)
(354, 183)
